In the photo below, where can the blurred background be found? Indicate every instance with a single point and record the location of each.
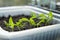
(45, 4)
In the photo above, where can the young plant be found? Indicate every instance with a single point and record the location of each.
(42, 18)
(10, 24)
(32, 22)
(33, 16)
(50, 17)
(20, 24)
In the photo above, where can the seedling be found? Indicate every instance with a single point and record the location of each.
(10, 24)
(32, 22)
(20, 24)
(33, 16)
(42, 18)
(50, 17)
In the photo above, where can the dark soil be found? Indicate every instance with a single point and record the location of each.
(15, 19)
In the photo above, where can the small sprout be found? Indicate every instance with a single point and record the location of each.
(40, 23)
(6, 24)
(50, 17)
(23, 19)
(20, 24)
(32, 22)
(42, 18)
(10, 24)
(33, 16)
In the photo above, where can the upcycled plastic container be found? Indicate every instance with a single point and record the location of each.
(51, 32)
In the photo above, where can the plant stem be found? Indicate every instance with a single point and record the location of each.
(12, 29)
(18, 27)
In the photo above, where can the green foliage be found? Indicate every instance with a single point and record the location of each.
(50, 17)
(20, 24)
(10, 24)
(42, 18)
(33, 16)
(32, 22)
(40, 23)
(7, 24)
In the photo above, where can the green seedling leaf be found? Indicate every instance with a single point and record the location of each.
(42, 18)
(19, 25)
(10, 24)
(50, 17)
(33, 14)
(7, 24)
(23, 19)
(20, 22)
(32, 22)
(40, 22)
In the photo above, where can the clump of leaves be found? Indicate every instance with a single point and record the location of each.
(10, 23)
(42, 19)
(50, 17)
(32, 22)
(45, 19)
(33, 16)
(20, 24)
